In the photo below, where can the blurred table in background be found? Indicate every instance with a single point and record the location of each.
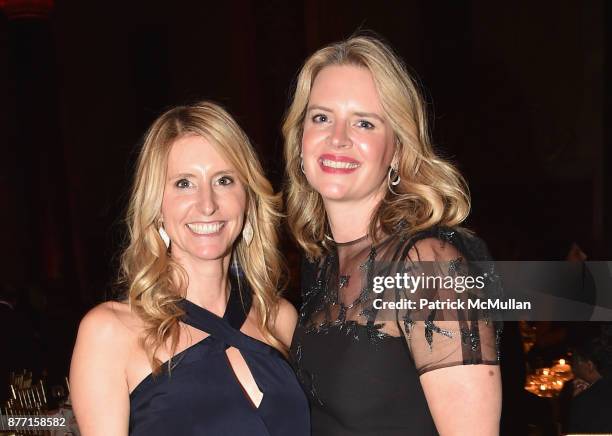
(31, 398)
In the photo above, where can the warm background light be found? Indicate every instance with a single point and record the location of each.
(16, 9)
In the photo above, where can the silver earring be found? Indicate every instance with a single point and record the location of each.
(247, 232)
(164, 236)
(393, 180)
(302, 163)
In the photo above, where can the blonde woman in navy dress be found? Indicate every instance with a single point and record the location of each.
(198, 346)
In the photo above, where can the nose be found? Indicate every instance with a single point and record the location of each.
(339, 135)
(206, 201)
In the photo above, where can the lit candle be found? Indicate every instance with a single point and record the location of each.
(562, 366)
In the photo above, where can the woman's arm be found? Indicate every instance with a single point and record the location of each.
(99, 391)
(464, 399)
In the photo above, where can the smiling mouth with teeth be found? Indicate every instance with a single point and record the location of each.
(205, 228)
(339, 165)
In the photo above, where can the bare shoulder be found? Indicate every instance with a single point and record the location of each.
(104, 343)
(112, 323)
(286, 312)
(285, 321)
(98, 369)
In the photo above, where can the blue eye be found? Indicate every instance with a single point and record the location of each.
(225, 181)
(365, 124)
(183, 184)
(320, 118)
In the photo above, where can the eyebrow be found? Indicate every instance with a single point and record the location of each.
(370, 115)
(181, 176)
(225, 171)
(359, 114)
(188, 175)
(316, 106)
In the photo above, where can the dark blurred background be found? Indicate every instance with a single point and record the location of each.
(517, 94)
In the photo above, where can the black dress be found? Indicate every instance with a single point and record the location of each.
(202, 396)
(360, 366)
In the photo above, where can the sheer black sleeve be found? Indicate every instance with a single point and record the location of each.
(440, 337)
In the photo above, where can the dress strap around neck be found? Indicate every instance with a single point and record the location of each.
(226, 329)
(239, 303)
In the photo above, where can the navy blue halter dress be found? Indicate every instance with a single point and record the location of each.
(202, 395)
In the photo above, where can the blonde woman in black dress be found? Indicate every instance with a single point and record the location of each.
(366, 188)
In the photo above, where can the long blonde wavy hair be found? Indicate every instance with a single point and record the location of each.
(154, 282)
(431, 192)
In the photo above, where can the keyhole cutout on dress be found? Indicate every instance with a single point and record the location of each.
(244, 377)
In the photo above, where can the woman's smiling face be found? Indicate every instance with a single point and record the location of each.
(347, 144)
(204, 202)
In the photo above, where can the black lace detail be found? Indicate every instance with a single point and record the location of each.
(470, 337)
(339, 294)
(430, 329)
(306, 379)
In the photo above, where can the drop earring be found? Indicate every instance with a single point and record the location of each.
(393, 177)
(247, 232)
(164, 236)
